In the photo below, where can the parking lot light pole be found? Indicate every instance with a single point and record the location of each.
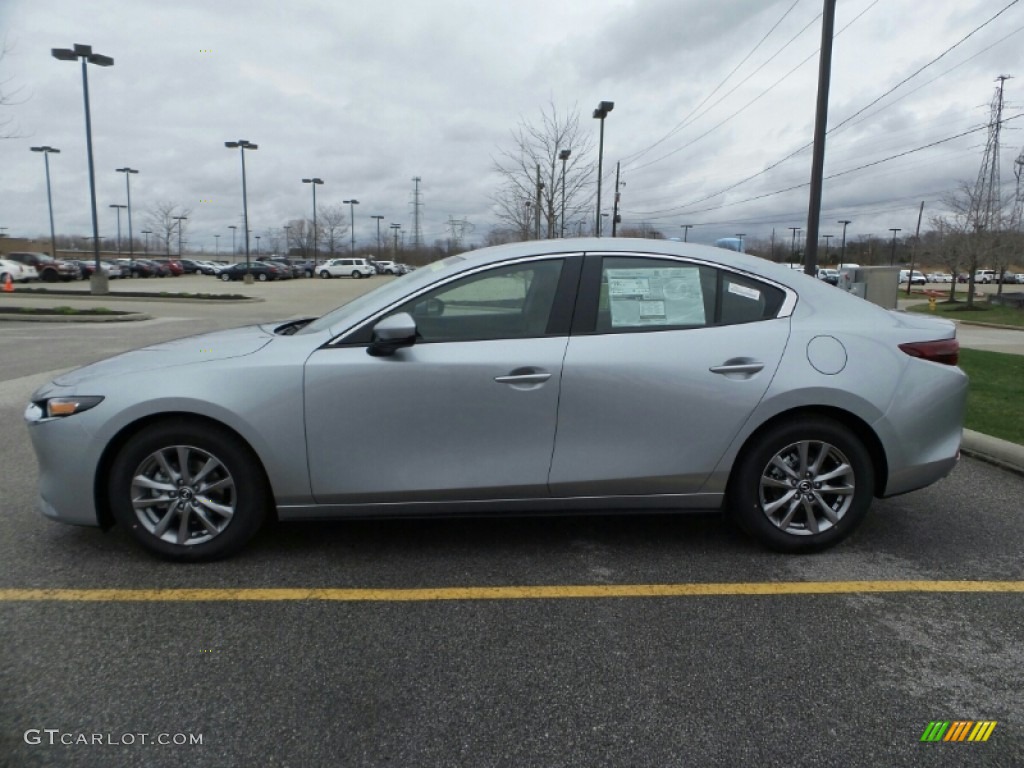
(352, 218)
(600, 114)
(394, 248)
(147, 233)
(49, 198)
(128, 189)
(244, 144)
(892, 255)
(686, 231)
(842, 249)
(378, 217)
(180, 219)
(98, 283)
(313, 182)
(216, 246)
(563, 156)
(118, 207)
(234, 250)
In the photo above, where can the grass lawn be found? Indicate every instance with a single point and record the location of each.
(980, 313)
(996, 393)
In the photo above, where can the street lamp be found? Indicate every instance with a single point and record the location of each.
(147, 233)
(842, 251)
(118, 207)
(741, 235)
(394, 249)
(314, 182)
(216, 246)
(892, 256)
(98, 283)
(257, 247)
(378, 218)
(243, 144)
(234, 251)
(563, 156)
(128, 188)
(287, 243)
(49, 198)
(352, 218)
(686, 231)
(827, 238)
(794, 230)
(180, 219)
(601, 113)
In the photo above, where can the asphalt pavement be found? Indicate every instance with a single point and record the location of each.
(398, 643)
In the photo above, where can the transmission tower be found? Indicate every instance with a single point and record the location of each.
(417, 232)
(986, 189)
(458, 228)
(1018, 197)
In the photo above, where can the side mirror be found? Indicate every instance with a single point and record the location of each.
(391, 334)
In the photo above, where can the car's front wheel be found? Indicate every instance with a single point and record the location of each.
(325, 274)
(225, 276)
(262, 277)
(188, 490)
(802, 486)
(356, 274)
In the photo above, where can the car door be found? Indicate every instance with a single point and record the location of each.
(467, 412)
(666, 362)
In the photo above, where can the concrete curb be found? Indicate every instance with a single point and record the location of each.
(993, 450)
(129, 317)
(113, 296)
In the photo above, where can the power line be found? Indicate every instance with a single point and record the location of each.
(804, 147)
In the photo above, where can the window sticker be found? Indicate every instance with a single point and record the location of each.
(663, 296)
(744, 291)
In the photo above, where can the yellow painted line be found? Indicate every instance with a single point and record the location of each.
(584, 591)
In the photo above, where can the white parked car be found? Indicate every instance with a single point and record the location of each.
(939, 277)
(346, 268)
(916, 279)
(20, 273)
(985, 276)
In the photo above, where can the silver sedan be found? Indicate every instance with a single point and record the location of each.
(538, 377)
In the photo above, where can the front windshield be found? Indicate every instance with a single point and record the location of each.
(344, 317)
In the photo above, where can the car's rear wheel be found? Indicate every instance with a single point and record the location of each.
(225, 276)
(356, 274)
(262, 277)
(50, 276)
(188, 491)
(802, 486)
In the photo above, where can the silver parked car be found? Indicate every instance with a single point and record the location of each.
(537, 377)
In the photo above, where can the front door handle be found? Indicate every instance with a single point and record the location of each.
(523, 378)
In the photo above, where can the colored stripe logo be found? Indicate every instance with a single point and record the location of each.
(958, 730)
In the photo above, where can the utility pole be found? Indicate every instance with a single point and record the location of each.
(615, 207)
(686, 231)
(794, 230)
(536, 210)
(417, 232)
(913, 248)
(842, 252)
(820, 121)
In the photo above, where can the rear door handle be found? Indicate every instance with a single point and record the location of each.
(747, 366)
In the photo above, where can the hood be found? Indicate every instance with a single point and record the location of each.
(207, 347)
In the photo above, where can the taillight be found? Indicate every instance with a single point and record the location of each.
(945, 351)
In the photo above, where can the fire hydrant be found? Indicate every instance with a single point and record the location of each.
(931, 303)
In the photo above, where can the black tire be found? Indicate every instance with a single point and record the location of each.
(262, 277)
(790, 510)
(49, 276)
(236, 483)
(325, 274)
(356, 274)
(225, 276)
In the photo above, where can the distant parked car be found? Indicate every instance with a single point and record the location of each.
(939, 277)
(261, 271)
(49, 269)
(387, 268)
(173, 266)
(19, 273)
(355, 268)
(916, 279)
(985, 276)
(137, 268)
(830, 276)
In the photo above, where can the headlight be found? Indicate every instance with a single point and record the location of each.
(57, 407)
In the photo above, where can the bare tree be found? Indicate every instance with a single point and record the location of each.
(8, 98)
(332, 221)
(531, 189)
(163, 219)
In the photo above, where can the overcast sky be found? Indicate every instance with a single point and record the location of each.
(367, 95)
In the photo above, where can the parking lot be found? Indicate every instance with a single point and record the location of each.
(637, 640)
